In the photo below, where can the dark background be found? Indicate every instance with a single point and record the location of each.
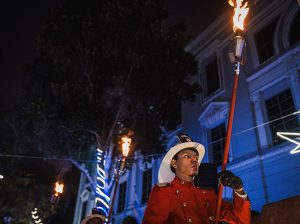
(21, 21)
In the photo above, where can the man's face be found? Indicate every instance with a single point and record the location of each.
(186, 164)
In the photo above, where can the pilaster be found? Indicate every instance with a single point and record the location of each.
(257, 101)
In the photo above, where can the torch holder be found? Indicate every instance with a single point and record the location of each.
(237, 48)
(121, 169)
(54, 199)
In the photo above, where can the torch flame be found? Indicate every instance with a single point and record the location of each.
(59, 188)
(125, 145)
(240, 13)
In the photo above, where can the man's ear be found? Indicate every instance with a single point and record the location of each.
(173, 163)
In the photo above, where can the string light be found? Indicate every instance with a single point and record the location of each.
(35, 216)
(284, 136)
(102, 199)
(141, 156)
(98, 199)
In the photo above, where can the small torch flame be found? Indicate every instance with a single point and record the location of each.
(59, 188)
(125, 145)
(240, 13)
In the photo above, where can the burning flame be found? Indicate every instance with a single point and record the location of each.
(240, 13)
(58, 188)
(125, 145)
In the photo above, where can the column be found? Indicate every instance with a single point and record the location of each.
(294, 78)
(257, 100)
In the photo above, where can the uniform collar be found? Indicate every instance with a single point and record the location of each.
(181, 182)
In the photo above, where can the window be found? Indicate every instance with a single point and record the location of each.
(147, 184)
(277, 107)
(212, 82)
(295, 31)
(217, 137)
(264, 40)
(122, 197)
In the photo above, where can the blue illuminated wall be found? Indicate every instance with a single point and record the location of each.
(269, 171)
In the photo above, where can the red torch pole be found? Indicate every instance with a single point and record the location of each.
(126, 141)
(236, 57)
(228, 137)
(117, 178)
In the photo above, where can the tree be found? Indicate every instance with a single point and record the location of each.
(104, 67)
(28, 184)
(13, 126)
(114, 64)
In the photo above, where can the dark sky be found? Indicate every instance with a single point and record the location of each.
(197, 14)
(21, 21)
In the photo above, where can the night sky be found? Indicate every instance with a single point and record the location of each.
(21, 21)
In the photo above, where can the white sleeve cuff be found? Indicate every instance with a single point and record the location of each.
(243, 196)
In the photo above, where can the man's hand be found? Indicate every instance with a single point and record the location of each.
(228, 179)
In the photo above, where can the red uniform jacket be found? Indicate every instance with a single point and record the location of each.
(182, 202)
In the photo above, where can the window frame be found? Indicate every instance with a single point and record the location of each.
(212, 63)
(124, 183)
(266, 25)
(211, 149)
(214, 114)
(203, 74)
(214, 49)
(271, 134)
(143, 199)
(267, 91)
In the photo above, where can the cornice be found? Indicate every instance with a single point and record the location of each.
(214, 112)
(272, 154)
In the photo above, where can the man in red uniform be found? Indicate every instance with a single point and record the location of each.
(175, 199)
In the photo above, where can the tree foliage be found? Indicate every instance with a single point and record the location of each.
(28, 184)
(105, 66)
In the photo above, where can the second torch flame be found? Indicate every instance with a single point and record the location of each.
(59, 188)
(125, 145)
(240, 13)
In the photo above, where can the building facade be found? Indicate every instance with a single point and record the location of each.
(268, 99)
(268, 94)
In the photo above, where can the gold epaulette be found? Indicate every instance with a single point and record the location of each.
(163, 184)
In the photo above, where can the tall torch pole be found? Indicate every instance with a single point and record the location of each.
(126, 141)
(236, 56)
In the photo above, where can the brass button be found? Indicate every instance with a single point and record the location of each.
(177, 191)
(203, 192)
(184, 204)
(190, 220)
(211, 217)
(182, 182)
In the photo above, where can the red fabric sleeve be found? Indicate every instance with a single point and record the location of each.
(158, 206)
(237, 213)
